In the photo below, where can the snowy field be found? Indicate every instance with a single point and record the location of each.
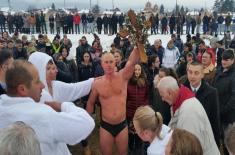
(106, 40)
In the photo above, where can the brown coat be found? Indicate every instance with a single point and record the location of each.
(31, 20)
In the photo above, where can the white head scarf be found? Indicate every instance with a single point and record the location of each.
(40, 61)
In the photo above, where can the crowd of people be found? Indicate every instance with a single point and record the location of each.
(86, 23)
(179, 102)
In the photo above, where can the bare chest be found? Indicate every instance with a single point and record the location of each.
(112, 88)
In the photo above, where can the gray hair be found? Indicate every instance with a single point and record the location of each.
(168, 82)
(19, 139)
(230, 138)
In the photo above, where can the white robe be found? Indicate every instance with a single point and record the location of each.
(62, 92)
(157, 147)
(53, 129)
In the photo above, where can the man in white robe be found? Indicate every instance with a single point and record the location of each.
(56, 124)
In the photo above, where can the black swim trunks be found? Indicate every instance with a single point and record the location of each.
(114, 130)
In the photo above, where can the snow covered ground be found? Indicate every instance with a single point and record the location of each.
(106, 40)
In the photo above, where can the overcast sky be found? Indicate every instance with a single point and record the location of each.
(122, 4)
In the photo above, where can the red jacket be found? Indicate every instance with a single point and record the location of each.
(136, 97)
(76, 19)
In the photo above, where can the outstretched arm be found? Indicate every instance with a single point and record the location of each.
(130, 65)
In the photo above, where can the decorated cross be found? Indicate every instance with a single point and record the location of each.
(137, 29)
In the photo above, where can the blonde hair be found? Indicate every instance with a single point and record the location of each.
(147, 118)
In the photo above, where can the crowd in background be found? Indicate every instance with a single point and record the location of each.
(86, 23)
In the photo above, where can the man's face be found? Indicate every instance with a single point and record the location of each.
(195, 75)
(166, 95)
(202, 46)
(51, 72)
(157, 44)
(36, 87)
(108, 63)
(186, 49)
(40, 40)
(19, 46)
(6, 65)
(227, 63)
(189, 59)
(206, 59)
(10, 45)
(83, 41)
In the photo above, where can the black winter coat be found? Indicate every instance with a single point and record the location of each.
(2, 19)
(208, 96)
(105, 21)
(20, 54)
(84, 18)
(225, 84)
(99, 22)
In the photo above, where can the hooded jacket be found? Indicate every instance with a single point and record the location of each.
(62, 92)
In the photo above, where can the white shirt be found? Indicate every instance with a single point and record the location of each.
(157, 147)
(195, 89)
(53, 129)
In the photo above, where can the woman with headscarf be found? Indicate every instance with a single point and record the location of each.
(56, 90)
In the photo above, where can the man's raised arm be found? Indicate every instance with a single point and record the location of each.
(130, 65)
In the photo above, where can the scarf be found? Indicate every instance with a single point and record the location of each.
(184, 94)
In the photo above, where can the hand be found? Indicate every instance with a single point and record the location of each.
(54, 105)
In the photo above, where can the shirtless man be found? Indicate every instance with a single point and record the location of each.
(111, 89)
